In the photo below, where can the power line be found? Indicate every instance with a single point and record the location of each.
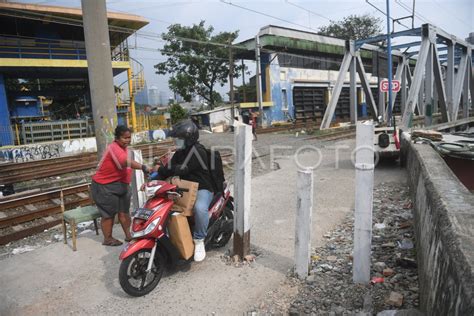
(419, 16)
(267, 15)
(383, 12)
(454, 15)
(309, 11)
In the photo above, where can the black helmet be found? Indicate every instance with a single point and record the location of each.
(186, 130)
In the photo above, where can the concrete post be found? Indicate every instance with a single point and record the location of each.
(304, 210)
(101, 85)
(242, 189)
(138, 197)
(363, 201)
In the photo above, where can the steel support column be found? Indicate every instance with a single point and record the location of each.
(428, 104)
(416, 84)
(441, 93)
(328, 114)
(404, 85)
(398, 76)
(366, 86)
(465, 91)
(459, 82)
(450, 77)
(353, 89)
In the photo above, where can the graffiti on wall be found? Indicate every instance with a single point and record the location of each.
(79, 145)
(48, 150)
(30, 153)
(140, 137)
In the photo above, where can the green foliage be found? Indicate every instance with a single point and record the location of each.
(353, 27)
(177, 113)
(196, 66)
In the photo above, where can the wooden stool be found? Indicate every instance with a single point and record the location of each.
(78, 215)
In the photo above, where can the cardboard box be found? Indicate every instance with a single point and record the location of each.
(180, 235)
(185, 204)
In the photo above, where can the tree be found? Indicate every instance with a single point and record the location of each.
(196, 65)
(177, 113)
(353, 27)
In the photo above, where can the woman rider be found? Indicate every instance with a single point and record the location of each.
(111, 185)
(189, 162)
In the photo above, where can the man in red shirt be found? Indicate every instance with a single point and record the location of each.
(111, 185)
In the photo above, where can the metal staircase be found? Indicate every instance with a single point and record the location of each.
(125, 95)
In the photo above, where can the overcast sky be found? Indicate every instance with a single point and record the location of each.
(453, 16)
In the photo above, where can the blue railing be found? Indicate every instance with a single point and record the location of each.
(27, 47)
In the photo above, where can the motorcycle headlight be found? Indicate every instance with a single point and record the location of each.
(148, 229)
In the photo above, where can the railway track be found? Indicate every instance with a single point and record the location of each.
(334, 135)
(28, 215)
(25, 171)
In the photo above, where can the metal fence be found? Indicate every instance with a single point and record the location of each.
(34, 132)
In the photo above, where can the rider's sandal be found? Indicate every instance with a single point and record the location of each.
(128, 239)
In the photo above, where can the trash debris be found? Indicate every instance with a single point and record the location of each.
(388, 272)
(405, 244)
(86, 231)
(331, 258)
(405, 224)
(315, 258)
(58, 237)
(389, 245)
(406, 262)
(395, 299)
(376, 280)
(379, 226)
(326, 267)
(379, 266)
(249, 258)
(23, 249)
(85, 224)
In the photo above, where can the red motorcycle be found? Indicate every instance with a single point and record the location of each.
(145, 258)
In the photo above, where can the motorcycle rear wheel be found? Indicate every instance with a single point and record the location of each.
(133, 276)
(225, 229)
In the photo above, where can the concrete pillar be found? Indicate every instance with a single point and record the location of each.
(304, 210)
(363, 202)
(6, 137)
(242, 190)
(96, 33)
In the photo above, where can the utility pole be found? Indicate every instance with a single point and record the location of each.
(231, 81)
(259, 78)
(243, 81)
(99, 67)
(389, 51)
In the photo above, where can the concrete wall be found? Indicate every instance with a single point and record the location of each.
(444, 227)
(55, 149)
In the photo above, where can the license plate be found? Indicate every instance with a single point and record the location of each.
(143, 213)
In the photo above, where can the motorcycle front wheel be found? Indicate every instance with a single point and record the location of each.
(133, 277)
